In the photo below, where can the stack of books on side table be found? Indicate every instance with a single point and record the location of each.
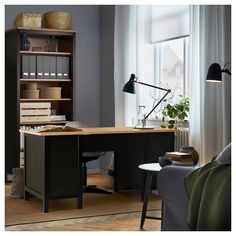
(180, 158)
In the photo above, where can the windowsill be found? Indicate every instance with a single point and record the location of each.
(157, 123)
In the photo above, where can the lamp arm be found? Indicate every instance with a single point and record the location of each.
(226, 71)
(149, 85)
(167, 92)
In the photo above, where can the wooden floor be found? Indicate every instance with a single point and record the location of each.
(123, 220)
(117, 222)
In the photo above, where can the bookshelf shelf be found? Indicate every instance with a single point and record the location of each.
(45, 53)
(43, 122)
(44, 100)
(45, 80)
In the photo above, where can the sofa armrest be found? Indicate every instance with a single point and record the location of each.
(170, 183)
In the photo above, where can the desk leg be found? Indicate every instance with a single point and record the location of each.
(26, 196)
(115, 179)
(45, 204)
(80, 189)
(146, 197)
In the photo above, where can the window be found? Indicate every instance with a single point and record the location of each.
(170, 44)
(159, 55)
(171, 67)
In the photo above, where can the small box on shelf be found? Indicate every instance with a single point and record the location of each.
(32, 112)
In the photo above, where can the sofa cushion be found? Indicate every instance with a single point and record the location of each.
(225, 155)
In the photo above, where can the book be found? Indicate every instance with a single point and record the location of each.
(183, 157)
(57, 117)
(56, 128)
(178, 163)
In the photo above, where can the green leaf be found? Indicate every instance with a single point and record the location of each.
(171, 122)
(168, 107)
(181, 108)
(169, 113)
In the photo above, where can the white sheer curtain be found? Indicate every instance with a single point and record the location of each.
(210, 109)
(125, 62)
(133, 53)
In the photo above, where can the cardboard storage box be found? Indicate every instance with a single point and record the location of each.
(31, 20)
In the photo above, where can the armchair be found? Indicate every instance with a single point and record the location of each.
(175, 201)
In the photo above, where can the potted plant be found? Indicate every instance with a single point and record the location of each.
(172, 115)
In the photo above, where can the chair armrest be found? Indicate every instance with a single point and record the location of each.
(170, 183)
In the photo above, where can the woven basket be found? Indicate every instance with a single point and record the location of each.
(31, 86)
(26, 19)
(58, 20)
(31, 94)
(51, 92)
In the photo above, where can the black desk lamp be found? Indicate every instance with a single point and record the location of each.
(215, 72)
(130, 88)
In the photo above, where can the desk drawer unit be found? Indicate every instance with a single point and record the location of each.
(51, 172)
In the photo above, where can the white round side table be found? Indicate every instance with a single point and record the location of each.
(151, 169)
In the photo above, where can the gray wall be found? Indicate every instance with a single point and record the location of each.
(107, 109)
(94, 103)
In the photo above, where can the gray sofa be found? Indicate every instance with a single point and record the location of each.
(175, 203)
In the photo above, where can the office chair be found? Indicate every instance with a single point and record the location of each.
(86, 157)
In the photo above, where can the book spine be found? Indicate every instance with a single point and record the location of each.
(32, 67)
(25, 67)
(40, 67)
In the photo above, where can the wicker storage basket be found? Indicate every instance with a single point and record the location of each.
(31, 86)
(31, 20)
(58, 20)
(51, 92)
(31, 94)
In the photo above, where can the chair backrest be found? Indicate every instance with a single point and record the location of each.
(225, 155)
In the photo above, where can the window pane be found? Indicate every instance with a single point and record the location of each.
(172, 68)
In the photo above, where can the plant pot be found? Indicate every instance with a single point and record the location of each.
(189, 149)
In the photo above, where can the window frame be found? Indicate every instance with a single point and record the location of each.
(158, 66)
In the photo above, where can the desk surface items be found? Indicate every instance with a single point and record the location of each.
(56, 128)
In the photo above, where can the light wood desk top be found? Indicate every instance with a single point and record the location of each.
(100, 130)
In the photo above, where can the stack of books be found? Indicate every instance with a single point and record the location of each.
(180, 158)
(58, 117)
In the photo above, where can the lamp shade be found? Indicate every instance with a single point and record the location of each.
(129, 87)
(214, 73)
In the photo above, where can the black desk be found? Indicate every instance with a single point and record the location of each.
(53, 167)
